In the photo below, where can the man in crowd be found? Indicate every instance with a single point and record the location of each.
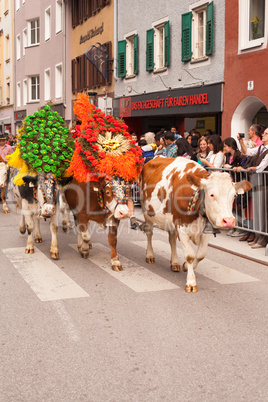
(170, 151)
(5, 149)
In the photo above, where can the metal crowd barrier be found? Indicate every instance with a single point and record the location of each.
(251, 209)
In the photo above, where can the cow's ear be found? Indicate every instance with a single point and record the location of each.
(65, 180)
(242, 187)
(30, 179)
(194, 178)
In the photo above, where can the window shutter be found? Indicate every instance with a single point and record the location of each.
(122, 58)
(186, 37)
(209, 30)
(167, 44)
(136, 54)
(74, 89)
(150, 50)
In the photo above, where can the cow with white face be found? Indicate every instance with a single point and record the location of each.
(175, 195)
(103, 202)
(37, 199)
(3, 184)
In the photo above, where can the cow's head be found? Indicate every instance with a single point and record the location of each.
(45, 191)
(115, 193)
(219, 196)
(3, 174)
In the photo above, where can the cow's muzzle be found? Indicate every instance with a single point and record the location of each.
(228, 222)
(48, 210)
(121, 211)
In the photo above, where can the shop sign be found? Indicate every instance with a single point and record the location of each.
(20, 115)
(91, 33)
(195, 100)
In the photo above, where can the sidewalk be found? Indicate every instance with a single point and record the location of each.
(228, 243)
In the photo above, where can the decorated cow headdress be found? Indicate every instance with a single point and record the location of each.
(44, 145)
(103, 146)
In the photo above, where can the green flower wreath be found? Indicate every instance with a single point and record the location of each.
(45, 142)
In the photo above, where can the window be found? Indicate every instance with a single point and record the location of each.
(157, 47)
(197, 33)
(34, 88)
(34, 32)
(23, 1)
(8, 93)
(24, 39)
(18, 95)
(25, 92)
(6, 6)
(18, 46)
(128, 56)
(58, 81)
(17, 5)
(47, 24)
(58, 16)
(252, 23)
(47, 85)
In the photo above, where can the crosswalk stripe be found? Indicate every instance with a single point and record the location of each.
(210, 269)
(134, 276)
(43, 276)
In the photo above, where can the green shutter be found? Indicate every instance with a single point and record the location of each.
(209, 30)
(167, 44)
(186, 37)
(136, 54)
(150, 50)
(122, 58)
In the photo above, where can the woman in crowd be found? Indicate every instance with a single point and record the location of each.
(184, 148)
(215, 158)
(202, 150)
(233, 156)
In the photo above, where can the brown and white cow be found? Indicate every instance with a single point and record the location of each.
(103, 202)
(37, 198)
(171, 200)
(3, 184)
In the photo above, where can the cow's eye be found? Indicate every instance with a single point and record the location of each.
(212, 195)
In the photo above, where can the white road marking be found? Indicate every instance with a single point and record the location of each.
(210, 269)
(66, 320)
(134, 276)
(43, 276)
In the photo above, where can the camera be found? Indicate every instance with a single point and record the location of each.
(241, 135)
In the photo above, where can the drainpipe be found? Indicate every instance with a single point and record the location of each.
(64, 55)
(115, 39)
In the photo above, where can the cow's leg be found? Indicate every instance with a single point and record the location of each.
(28, 214)
(3, 196)
(201, 250)
(37, 231)
(84, 243)
(112, 238)
(22, 223)
(149, 251)
(53, 224)
(65, 213)
(174, 256)
(189, 254)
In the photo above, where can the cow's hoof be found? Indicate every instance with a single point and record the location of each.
(150, 260)
(54, 255)
(22, 230)
(90, 245)
(6, 211)
(191, 289)
(175, 267)
(84, 255)
(29, 251)
(38, 240)
(117, 268)
(65, 229)
(184, 267)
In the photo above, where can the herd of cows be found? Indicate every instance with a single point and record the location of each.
(172, 191)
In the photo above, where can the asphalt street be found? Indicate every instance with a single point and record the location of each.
(74, 330)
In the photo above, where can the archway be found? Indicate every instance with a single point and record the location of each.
(244, 114)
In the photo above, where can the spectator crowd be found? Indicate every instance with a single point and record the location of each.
(240, 157)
